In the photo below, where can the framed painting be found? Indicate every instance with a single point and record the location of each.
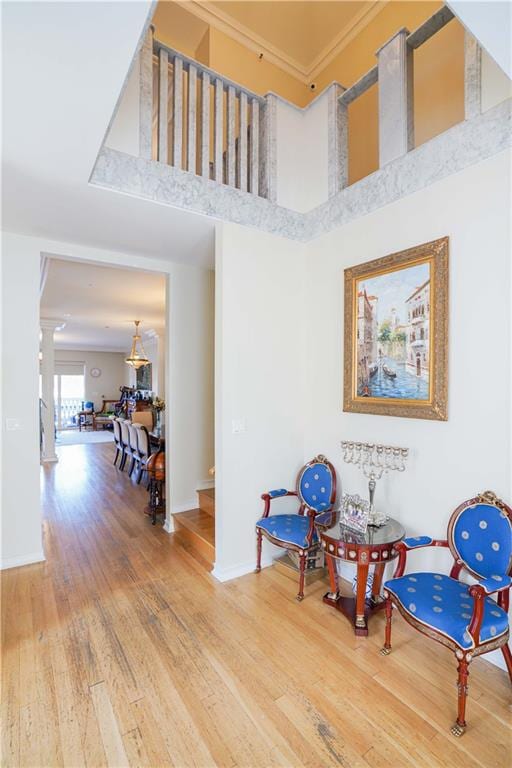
(396, 334)
(144, 377)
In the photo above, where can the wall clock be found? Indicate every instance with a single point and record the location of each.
(95, 372)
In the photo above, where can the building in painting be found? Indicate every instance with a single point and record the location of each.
(366, 335)
(418, 313)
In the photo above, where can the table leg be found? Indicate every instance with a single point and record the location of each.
(377, 582)
(362, 578)
(333, 577)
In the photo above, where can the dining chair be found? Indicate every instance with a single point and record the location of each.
(144, 450)
(125, 443)
(134, 447)
(116, 428)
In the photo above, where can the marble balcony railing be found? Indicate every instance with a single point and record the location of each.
(196, 120)
(186, 136)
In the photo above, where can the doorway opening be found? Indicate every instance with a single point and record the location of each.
(90, 384)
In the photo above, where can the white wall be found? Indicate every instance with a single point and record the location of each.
(190, 435)
(124, 130)
(114, 372)
(189, 361)
(302, 169)
(21, 515)
(260, 360)
(471, 452)
(491, 24)
(496, 86)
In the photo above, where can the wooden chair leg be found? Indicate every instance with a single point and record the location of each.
(132, 465)
(259, 537)
(139, 473)
(462, 687)
(508, 659)
(116, 456)
(389, 617)
(302, 569)
(122, 463)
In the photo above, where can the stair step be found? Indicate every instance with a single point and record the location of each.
(207, 500)
(196, 529)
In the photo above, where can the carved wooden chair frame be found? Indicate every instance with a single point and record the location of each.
(477, 592)
(304, 509)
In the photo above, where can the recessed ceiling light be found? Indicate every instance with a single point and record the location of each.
(67, 314)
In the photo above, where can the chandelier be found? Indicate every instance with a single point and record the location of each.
(137, 357)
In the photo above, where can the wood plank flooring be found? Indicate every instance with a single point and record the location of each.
(122, 650)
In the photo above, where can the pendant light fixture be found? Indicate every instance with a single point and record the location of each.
(137, 357)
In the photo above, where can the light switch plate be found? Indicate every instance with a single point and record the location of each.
(12, 425)
(238, 426)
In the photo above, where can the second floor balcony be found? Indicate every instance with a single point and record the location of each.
(187, 136)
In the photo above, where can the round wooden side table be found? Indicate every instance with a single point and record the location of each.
(374, 547)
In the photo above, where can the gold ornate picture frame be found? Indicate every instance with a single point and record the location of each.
(396, 334)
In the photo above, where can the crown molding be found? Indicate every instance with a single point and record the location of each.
(221, 20)
(349, 33)
(245, 36)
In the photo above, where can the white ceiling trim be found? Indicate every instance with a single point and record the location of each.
(242, 34)
(358, 23)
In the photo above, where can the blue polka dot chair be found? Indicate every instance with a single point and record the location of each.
(316, 493)
(469, 619)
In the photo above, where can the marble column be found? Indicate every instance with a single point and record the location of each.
(146, 96)
(472, 76)
(268, 147)
(48, 328)
(396, 124)
(337, 141)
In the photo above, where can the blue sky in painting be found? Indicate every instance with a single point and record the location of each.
(393, 288)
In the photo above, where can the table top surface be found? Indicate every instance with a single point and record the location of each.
(389, 532)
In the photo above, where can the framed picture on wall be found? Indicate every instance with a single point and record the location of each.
(396, 334)
(144, 377)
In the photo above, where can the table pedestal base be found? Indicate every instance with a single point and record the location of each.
(347, 606)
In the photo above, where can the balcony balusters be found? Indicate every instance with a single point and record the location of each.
(223, 110)
(177, 143)
(243, 125)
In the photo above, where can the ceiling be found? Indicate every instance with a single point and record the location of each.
(302, 35)
(99, 304)
(64, 66)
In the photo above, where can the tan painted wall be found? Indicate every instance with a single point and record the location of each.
(439, 72)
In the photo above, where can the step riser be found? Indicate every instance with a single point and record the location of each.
(195, 542)
(206, 502)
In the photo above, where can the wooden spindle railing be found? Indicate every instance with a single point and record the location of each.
(207, 124)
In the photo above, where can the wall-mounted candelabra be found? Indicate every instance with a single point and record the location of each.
(374, 460)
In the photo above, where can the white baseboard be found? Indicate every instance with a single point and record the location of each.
(241, 569)
(16, 562)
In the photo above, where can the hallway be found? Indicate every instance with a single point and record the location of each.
(122, 650)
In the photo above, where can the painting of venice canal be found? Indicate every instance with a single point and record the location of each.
(393, 339)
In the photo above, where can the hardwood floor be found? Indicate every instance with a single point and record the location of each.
(122, 650)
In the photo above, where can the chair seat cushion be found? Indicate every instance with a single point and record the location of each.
(289, 529)
(445, 605)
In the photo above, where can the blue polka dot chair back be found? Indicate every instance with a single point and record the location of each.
(469, 618)
(315, 491)
(315, 485)
(480, 535)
